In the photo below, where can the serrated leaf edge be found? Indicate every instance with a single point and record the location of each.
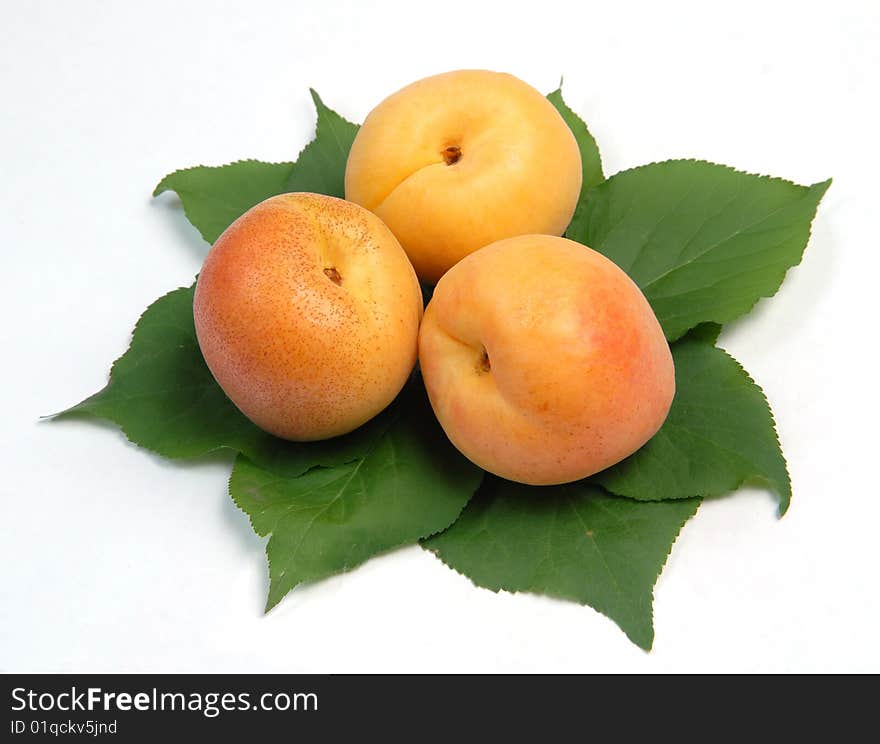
(436, 552)
(784, 498)
(164, 184)
(75, 410)
(702, 161)
(763, 177)
(347, 567)
(589, 132)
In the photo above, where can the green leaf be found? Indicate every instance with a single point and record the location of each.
(410, 484)
(708, 332)
(590, 158)
(573, 541)
(703, 241)
(214, 197)
(164, 398)
(718, 435)
(320, 167)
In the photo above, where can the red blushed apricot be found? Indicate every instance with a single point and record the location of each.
(543, 361)
(307, 312)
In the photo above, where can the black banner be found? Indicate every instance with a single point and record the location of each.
(158, 708)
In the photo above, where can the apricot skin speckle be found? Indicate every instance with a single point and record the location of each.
(303, 357)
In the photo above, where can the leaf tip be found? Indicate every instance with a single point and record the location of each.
(784, 503)
(81, 409)
(58, 415)
(822, 186)
(276, 592)
(161, 187)
(643, 638)
(647, 646)
(171, 182)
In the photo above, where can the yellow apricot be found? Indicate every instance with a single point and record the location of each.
(459, 160)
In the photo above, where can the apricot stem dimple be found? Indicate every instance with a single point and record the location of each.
(333, 275)
(451, 154)
(483, 364)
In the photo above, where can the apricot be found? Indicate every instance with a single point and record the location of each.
(307, 313)
(457, 161)
(543, 361)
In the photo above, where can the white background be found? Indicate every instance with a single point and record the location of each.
(112, 559)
